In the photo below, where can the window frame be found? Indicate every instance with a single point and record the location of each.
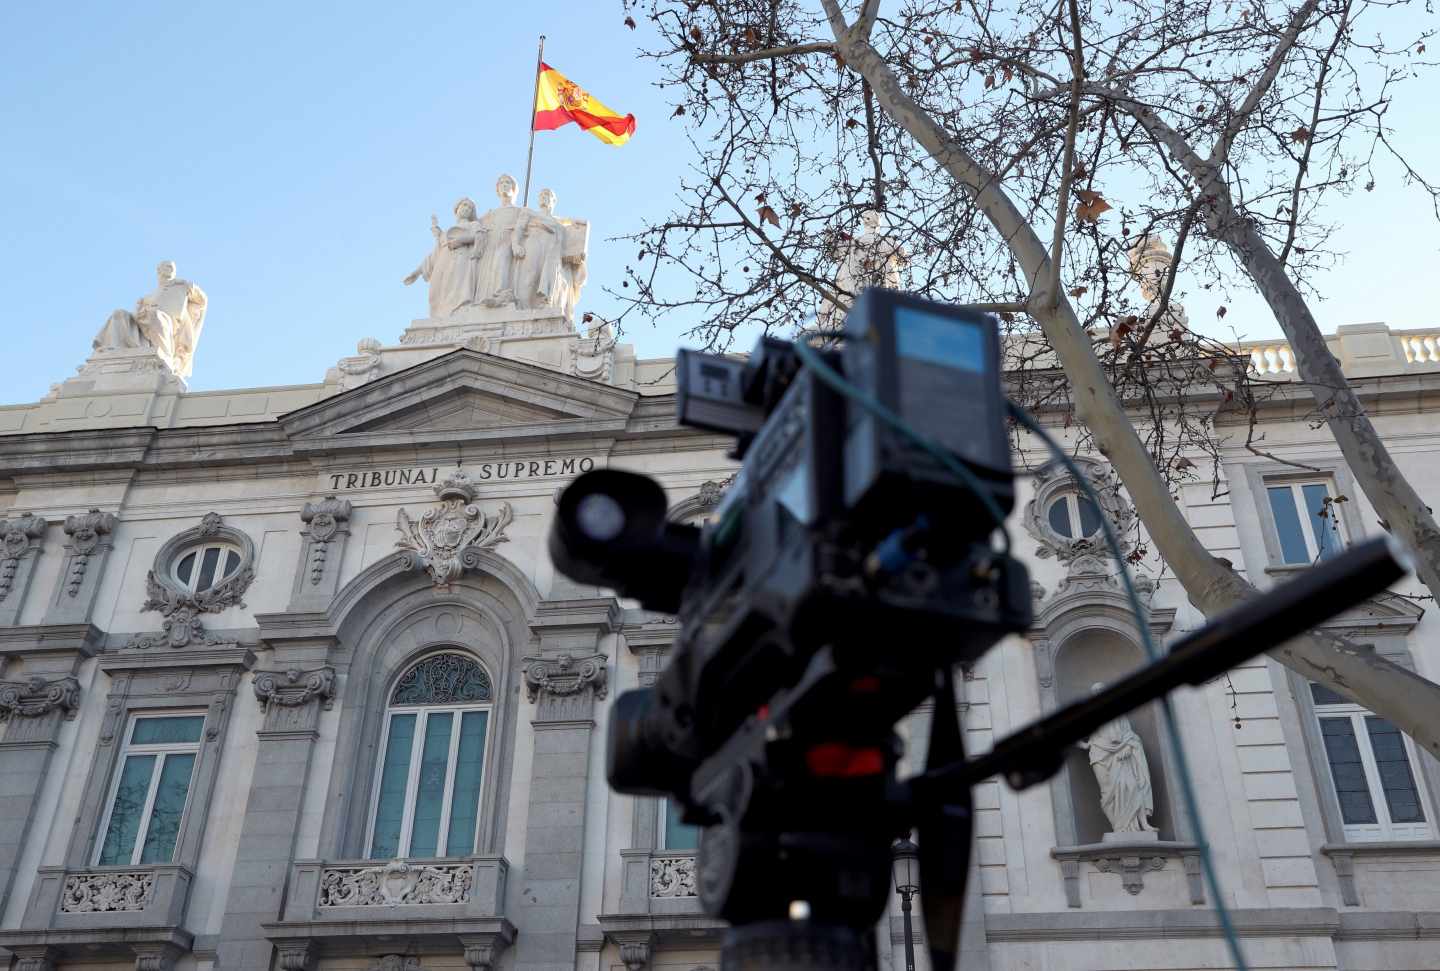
(1072, 500)
(423, 712)
(662, 831)
(190, 586)
(1307, 517)
(1383, 829)
(162, 749)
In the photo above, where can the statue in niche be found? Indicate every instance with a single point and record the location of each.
(451, 267)
(168, 320)
(872, 259)
(1117, 757)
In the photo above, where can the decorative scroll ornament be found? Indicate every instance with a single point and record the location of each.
(293, 688)
(86, 533)
(325, 519)
(97, 893)
(36, 697)
(1130, 868)
(672, 876)
(182, 608)
(447, 540)
(395, 884)
(565, 674)
(16, 537)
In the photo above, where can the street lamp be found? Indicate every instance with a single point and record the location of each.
(907, 884)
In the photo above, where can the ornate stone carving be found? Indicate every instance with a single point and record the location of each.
(395, 884)
(479, 956)
(351, 372)
(564, 674)
(86, 533)
(635, 955)
(448, 539)
(1131, 869)
(181, 608)
(1052, 481)
(593, 356)
(17, 536)
(672, 876)
(395, 962)
(295, 955)
(96, 893)
(37, 696)
(166, 321)
(325, 519)
(293, 688)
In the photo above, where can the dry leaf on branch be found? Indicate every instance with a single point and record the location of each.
(678, 112)
(768, 215)
(751, 37)
(630, 22)
(1301, 134)
(1181, 462)
(1091, 206)
(1078, 291)
(698, 37)
(1222, 311)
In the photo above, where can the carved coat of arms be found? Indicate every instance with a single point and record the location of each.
(448, 539)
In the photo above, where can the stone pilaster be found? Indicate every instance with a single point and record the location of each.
(21, 539)
(86, 549)
(326, 531)
(31, 713)
(292, 701)
(564, 681)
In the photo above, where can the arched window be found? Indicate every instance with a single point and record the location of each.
(427, 789)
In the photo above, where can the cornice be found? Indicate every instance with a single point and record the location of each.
(32, 640)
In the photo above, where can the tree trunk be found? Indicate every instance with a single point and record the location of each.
(1389, 690)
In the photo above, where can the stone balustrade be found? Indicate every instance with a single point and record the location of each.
(1362, 349)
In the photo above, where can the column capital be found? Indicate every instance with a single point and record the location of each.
(288, 697)
(564, 687)
(37, 696)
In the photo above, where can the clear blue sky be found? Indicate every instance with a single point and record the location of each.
(288, 157)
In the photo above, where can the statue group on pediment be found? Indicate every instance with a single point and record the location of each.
(509, 258)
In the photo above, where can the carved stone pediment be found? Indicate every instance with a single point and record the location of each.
(448, 539)
(464, 393)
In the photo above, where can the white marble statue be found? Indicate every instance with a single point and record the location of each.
(1118, 758)
(1150, 261)
(871, 259)
(504, 251)
(451, 267)
(554, 269)
(167, 319)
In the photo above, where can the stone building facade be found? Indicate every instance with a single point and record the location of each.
(288, 681)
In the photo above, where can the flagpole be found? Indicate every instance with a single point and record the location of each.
(534, 95)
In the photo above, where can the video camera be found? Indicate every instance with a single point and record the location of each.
(846, 572)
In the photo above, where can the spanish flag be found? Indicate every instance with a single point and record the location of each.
(559, 101)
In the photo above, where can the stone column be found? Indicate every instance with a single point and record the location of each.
(291, 700)
(21, 540)
(31, 712)
(87, 546)
(563, 681)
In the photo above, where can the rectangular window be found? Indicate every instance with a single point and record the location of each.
(152, 787)
(1372, 772)
(1307, 520)
(678, 835)
(427, 799)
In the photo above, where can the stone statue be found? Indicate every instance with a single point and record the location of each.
(452, 266)
(1150, 261)
(510, 258)
(500, 264)
(168, 319)
(553, 270)
(1118, 758)
(872, 259)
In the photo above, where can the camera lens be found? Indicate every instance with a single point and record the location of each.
(600, 517)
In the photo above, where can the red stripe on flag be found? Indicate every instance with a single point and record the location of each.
(614, 125)
(553, 118)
